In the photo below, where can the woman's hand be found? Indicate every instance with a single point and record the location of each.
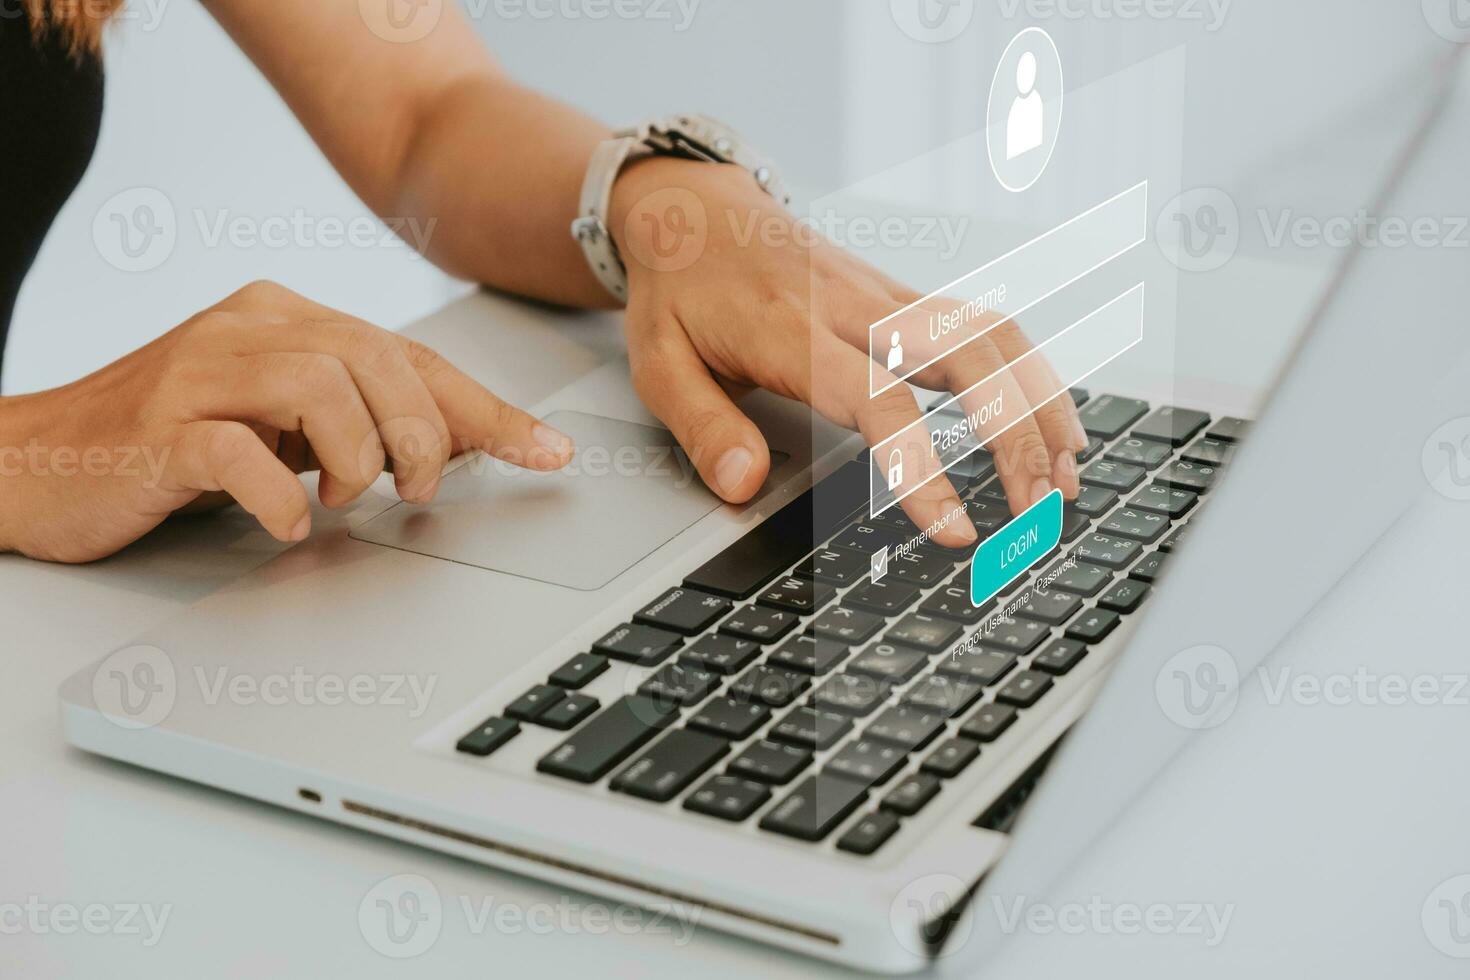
(725, 292)
(237, 400)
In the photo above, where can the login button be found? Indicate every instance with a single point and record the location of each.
(1009, 552)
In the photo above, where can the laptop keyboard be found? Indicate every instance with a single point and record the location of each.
(789, 688)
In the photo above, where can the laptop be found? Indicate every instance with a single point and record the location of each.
(608, 680)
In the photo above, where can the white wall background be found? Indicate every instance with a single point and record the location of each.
(833, 88)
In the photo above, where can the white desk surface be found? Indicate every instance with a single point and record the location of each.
(1324, 827)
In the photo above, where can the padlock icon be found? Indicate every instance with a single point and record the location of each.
(895, 470)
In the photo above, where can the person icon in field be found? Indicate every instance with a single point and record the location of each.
(895, 352)
(1026, 125)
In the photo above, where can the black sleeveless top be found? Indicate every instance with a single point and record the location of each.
(50, 111)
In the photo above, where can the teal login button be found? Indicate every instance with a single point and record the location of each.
(1016, 547)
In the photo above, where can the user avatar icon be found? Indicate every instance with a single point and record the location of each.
(1027, 122)
(1023, 115)
(895, 352)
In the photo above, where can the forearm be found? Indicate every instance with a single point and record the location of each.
(497, 169)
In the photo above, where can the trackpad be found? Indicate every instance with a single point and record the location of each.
(628, 490)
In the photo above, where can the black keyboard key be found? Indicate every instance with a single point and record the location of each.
(1139, 452)
(868, 763)
(1073, 524)
(729, 718)
(810, 655)
(770, 686)
(1093, 447)
(797, 595)
(906, 725)
(686, 611)
(911, 793)
(1081, 578)
(1118, 477)
(1094, 501)
(1188, 476)
(1079, 396)
(1051, 607)
(575, 673)
(978, 666)
(641, 645)
(851, 694)
(671, 765)
(951, 758)
(1174, 426)
(1059, 657)
(612, 735)
(1125, 596)
(1169, 501)
(948, 695)
(921, 569)
(1149, 568)
(1018, 636)
(728, 797)
(888, 662)
(1209, 452)
(868, 833)
(1094, 625)
(886, 598)
(529, 706)
(1172, 541)
(786, 536)
(953, 602)
(1024, 689)
(865, 538)
(924, 632)
(1107, 551)
(835, 566)
(569, 712)
(722, 654)
(972, 470)
(845, 625)
(682, 684)
(491, 734)
(1108, 416)
(1136, 525)
(811, 729)
(1228, 429)
(813, 810)
(987, 724)
(770, 762)
(759, 623)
